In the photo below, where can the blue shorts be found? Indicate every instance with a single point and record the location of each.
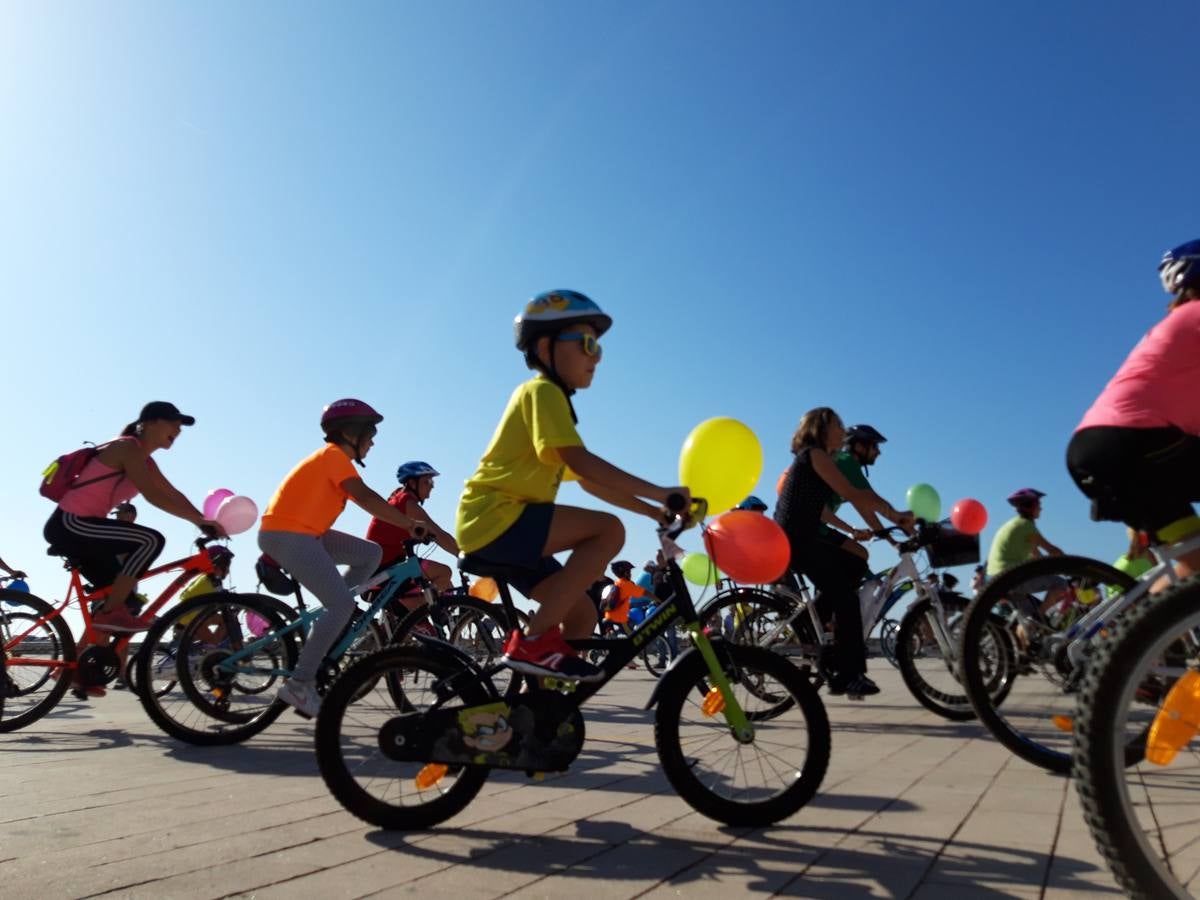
(522, 547)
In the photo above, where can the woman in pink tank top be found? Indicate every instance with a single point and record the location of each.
(1137, 451)
(111, 552)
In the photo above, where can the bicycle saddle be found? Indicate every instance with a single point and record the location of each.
(71, 561)
(482, 568)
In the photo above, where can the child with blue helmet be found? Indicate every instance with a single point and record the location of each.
(507, 514)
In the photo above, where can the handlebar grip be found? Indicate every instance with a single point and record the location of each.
(675, 502)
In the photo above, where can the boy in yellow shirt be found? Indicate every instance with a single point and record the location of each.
(507, 513)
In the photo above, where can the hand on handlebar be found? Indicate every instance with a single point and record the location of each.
(907, 522)
(676, 501)
(212, 528)
(862, 534)
(421, 531)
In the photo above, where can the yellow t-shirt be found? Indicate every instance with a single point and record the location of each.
(311, 497)
(520, 466)
(197, 587)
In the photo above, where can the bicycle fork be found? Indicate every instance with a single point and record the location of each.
(720, 698)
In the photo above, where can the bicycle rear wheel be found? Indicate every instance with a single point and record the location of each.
(1140, 803)
(753, 783)
(474, 626)
(39, 650)
(379, 790)
(215, 702)
(1023, 690)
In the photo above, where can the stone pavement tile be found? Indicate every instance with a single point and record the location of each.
(966, 864)
(934, 891)
(866, 867)
(1027, 830)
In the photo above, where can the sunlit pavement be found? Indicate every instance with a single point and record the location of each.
(96, 801)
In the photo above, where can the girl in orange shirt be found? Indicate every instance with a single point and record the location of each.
(297, 533)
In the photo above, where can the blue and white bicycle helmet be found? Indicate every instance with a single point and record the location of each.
(1180, 267)
(415, 469)
(551, 312)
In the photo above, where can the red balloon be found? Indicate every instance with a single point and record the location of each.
(969, 516)
(747, 546)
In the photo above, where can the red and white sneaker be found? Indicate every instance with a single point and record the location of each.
(120, 619)
(548, 654)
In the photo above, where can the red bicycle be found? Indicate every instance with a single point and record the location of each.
(42, 660)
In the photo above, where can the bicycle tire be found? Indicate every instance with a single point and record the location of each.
(131, 674)
(342, 714)
(469, 611)
(751, 602)
(686, 680)
(1101, 758)
(954, 706)
(195, 717)
(657, 657)
(43, 690)
(1025, 740)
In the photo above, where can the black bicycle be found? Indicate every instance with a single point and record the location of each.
(406, 737)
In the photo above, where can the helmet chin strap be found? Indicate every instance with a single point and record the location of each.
(555, 378)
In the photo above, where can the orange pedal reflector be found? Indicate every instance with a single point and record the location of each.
(713, 702)
(1177, 721)
(430, 775)
(1063, 723)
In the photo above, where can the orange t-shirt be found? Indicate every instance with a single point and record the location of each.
(311, 497)
(626, 591)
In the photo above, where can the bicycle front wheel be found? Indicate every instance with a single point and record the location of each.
(39, 650)
(1140, 692)
(754, 782)
(379, 790)
(929, 669)
(216, 701)
(1023, 686)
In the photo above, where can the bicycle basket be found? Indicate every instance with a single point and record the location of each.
(273, 578)
(953, 548)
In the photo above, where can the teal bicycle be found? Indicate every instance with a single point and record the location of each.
(227, 652)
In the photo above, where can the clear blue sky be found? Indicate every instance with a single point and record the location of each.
(942, 219)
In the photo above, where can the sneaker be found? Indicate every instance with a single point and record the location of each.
(302, 696)
(855, 688)
(548, 654)
(79, 692)
(120, 619)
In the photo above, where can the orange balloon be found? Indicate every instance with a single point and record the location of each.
(748, 547)
(484, 588)
(782, 479)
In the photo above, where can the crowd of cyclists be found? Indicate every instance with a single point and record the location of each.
(1135, 454)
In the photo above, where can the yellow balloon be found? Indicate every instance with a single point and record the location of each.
(720, 461)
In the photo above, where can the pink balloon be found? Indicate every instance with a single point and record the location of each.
(969, 516)
(236, 514)
(257, 624)
(214, 500)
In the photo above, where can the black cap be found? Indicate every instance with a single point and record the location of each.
(161, 409)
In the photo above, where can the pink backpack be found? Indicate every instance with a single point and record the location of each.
(62, 475)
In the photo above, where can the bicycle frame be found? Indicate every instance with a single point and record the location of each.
(198, 564)
(623, 650)
(1089, 625)
(396, 575)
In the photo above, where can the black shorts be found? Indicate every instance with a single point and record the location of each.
(522, 547)
(1144, 477)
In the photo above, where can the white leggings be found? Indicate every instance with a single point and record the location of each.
(313, 562)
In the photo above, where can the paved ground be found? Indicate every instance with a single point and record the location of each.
(97, 801)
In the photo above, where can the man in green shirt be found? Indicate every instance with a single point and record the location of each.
(859, 451)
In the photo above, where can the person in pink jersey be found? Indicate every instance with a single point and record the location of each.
(116, 553)
(1136, 453)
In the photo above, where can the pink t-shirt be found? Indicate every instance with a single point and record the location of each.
(97, 498)
(1158, 385)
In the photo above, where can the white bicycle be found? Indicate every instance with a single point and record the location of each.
(784, 617)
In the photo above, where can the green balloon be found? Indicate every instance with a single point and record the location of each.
(699, 569)
(924, 502)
